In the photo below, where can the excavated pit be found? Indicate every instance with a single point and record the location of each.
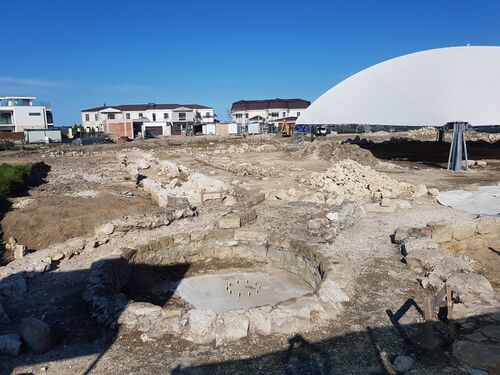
(217, 285)
(216, 289)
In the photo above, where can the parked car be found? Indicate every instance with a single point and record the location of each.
(320, 130)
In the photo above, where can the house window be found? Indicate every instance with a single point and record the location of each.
(165, 116)
(140, 115)
(154, 116)
(182, 116)
(87, 117)
(207, 114)
(298, 114)
(284, 114)
(127, 116)
(35, 114)
(246, 115)
(96, 116)
(239, 115)
(111, 116)
(275, 114)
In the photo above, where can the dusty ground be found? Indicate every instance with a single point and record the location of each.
(84, 189)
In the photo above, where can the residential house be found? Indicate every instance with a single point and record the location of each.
(18, 113)
(268, 113)
(149, 120)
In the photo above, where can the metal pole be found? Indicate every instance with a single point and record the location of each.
(457, 164)
(451, 150)
(465, 152)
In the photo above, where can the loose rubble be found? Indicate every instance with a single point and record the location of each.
(348, 179)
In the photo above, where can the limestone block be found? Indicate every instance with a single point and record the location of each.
(402, 204)
(331, 295)
(143, 309)
(462, 230)
(277, 240)
(229, 222)
(224, 252)
(260, 320)
(471, 288)
(276, 256)
(105, 229)
(251, 235)
(417, 243)
(425, 258)
(385, 202)
(235, 325)
(433, 191)
(287, 322)
(441, 232)
(419, 191)
(200, 326)
(403, 233)
(488, 225)
(333, 216)
(170, 169)
(248, 216)
(19, 251)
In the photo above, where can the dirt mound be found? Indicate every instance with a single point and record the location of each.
(333, 151)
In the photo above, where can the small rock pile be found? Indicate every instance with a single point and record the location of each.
(354, 181)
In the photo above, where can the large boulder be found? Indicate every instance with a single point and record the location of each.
(37, 335)
(471, 288)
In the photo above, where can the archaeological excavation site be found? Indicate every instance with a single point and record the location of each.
(253, 255)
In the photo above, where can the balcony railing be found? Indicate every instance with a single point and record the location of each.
(23, 103)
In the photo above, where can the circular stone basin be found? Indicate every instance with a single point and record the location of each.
(216, 289)
(222, 292)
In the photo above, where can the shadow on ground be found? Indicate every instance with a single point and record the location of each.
(56, 298)
(427, 152)
(370, 351)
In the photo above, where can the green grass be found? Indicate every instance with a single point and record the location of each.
(13, 179)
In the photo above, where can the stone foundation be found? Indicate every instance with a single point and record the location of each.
(109, 276)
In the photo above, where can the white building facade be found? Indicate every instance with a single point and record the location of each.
(148, 120)
(18, 113)
(268, 111)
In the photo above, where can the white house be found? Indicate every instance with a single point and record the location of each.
(150, 120)
(266, 112)
(18, 113)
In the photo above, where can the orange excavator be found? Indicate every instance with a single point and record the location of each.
(286, 129)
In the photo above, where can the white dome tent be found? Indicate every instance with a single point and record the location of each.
(428, 88)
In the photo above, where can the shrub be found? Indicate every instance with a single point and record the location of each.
(14, 179)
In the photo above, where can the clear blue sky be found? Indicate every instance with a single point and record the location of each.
(80, 54)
